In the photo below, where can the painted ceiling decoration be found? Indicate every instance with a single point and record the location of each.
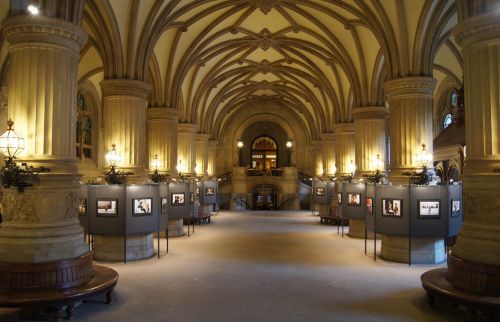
(316, 59)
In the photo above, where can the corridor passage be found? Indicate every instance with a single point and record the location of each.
(266, 266)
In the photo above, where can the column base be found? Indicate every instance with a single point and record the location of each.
(324, 211)
(111, 248)
(357, 229)
(423, 250)
(474, 277)
(175, 227)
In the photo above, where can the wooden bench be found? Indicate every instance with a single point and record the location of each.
(9, 314)
(198, 219)
(329, 220)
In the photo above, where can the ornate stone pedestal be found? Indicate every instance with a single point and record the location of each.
(423, 250)
(112, 248)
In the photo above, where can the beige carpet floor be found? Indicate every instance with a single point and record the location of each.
(266, 266)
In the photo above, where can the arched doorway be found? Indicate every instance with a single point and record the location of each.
(265, 197)
(264, 153)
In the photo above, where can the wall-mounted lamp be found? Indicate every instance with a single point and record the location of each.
(289, 152)
(378, 175)
(11, 144)
(424, 157)
(239, 149)
(157, 177)
(33, 10)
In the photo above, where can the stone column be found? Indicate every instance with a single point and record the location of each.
(344, 146)
(290, 189)
(317, 153)
(202, 154)
(410, 122)
(475, 261)
(162, 137)
(239, 191)
(212, 156)
(124, 115)
(41, 224)
(186, 146)
(370, 138)
(329, 167)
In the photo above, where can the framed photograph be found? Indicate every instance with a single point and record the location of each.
(339, 198)
(82, 207)
(197, 190)
(429, 208)
(142, 206)
(392, 207)
(320, 191)
(164, 204)
(455, 207)
(178, 199)
(353, 199)
(369, 205)
(107, 207)
(210, 191)
(191, 197)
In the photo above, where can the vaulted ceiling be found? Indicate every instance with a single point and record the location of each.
(317, 59)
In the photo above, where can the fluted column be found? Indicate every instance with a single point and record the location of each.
(202, 154)
(344, 146)
(212, 157)
(124, 115)
(329, 167)
(186, 146)
(410, 122)
(317, 152)
(162, 137)
(370, 138)
(478, 243)
(41, 224)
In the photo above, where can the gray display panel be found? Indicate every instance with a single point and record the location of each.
(109, 221)
(455, 215)
(392, 215)
(370, 217)
(208, 192)
(322, 192)
(353, 200)
(163, 205)
(146, 222)
(179, 200)
(428, 209)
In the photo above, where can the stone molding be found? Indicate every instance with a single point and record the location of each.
(477, 29)
(201, 137)
(328, 137)
(371, 112)
(212, 143)
(25, 30)
(343, 128)
(125, 87)
(474, 277)
(187, 128)
(410, 86)
(162, 113)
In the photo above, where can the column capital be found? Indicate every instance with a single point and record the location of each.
(40, 29)
(410, 86)
(200, 137)
(125, 87)
(187, 128)
(343, 128)
(212, 143)
(162, 113)
(477, 29)
(317, 143)
(370, 112)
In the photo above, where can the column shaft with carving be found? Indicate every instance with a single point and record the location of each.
(370, 138)
(202, 154)
(317, 152)
(475, 261)
(186, 146)
(410, 122)
(212, 157)
(162, 137)
(344, 146)
(41, 223)
(329, 167)
(124, 115)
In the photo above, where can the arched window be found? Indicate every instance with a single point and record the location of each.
(264, 153)
(84, 133)
(447, 120)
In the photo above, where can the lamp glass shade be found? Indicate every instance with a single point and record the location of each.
(156, 163)
(289, 144)
(351, 167)
(424, 157)
(11, 144)
(112, 157)
(239, 144)
(180, 167)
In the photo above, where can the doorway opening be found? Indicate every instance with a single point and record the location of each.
(265, 197)
(264, 154)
